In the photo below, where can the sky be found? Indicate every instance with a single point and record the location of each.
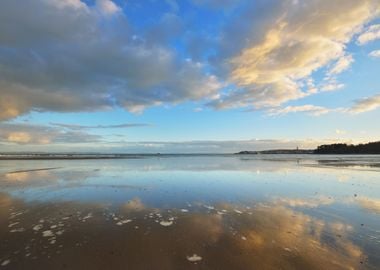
(191, 76)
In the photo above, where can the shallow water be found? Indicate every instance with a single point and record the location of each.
(191, 212)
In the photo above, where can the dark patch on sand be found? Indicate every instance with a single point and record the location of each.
(34, 170)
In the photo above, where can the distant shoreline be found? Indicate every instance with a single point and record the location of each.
(372, 148)
(143, 156)
(78, 156)
(278, 152)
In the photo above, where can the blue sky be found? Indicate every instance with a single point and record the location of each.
(187, 76)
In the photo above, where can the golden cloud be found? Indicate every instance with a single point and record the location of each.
(19, 137)
(302, 39)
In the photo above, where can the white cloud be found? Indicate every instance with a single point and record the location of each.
(18, 137)
(310, 109)
(332, 86)
(107, 7)
(370, 34)
(90, 57)
(365, 104)
(198, 109)
(285, 45)
(341, 65)
(340, 132)
(79, 127)
(82, 60)
(39, 135)
(62, 4)
(360, 106)
(375, 54)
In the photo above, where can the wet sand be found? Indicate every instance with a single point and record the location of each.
(85, 236)
(152, 214)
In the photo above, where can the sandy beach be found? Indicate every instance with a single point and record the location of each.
(189, 213)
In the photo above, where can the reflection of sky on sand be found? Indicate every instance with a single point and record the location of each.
(174, 180)
(133, 235)
(369, 204)
(290, 212)
(251, 163)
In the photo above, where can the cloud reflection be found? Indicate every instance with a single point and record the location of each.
(226, 236)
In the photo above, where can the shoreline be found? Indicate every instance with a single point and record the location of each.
(142, 156)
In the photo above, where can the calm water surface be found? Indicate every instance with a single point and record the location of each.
(191, 212)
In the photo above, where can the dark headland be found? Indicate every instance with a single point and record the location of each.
(372, 148)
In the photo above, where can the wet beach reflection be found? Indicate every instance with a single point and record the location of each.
(280, 215)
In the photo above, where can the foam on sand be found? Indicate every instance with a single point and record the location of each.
(122, 222)
(47, 233)
(166, 223)
(194, 258)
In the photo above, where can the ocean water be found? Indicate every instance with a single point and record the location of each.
(191, 212)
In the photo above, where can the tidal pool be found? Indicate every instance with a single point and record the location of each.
(191, 212)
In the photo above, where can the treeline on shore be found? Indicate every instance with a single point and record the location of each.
(337, 148)
(342, 148)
